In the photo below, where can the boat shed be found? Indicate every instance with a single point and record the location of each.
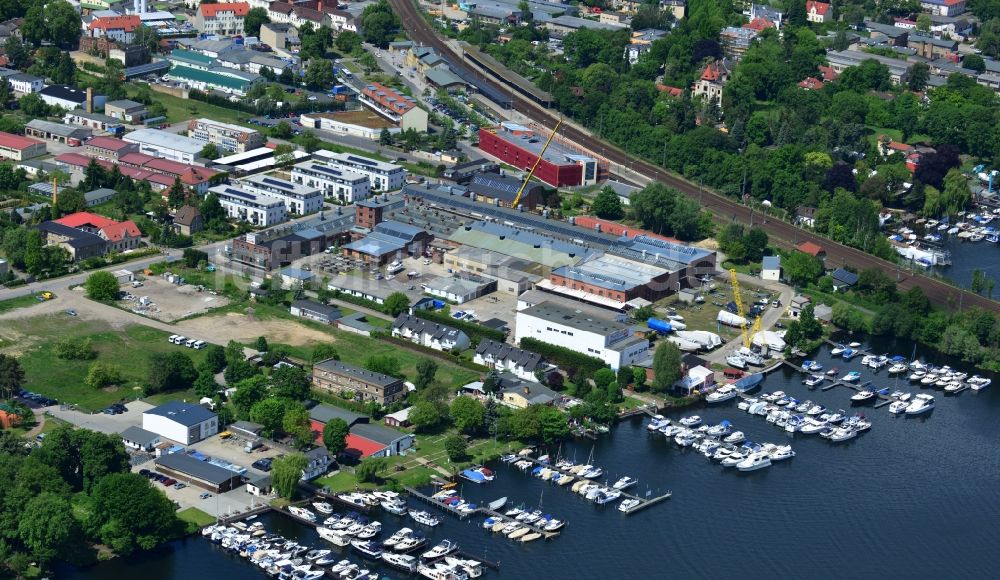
(183, 467)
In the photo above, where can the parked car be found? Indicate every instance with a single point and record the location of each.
(205, 495)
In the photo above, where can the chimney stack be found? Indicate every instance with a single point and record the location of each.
(90, 100)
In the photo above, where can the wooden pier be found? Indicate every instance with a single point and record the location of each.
(478, 511)
(648, 503)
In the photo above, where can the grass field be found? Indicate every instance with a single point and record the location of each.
(179, 109)
(61, 379)
(19, 302)
(195, 516)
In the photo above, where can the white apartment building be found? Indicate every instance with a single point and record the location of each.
(381, 175)
(341, 185)
(165, 144)
(24, 83)
(222, 19)
(254, 208)
(613, 342)
(225, 136)
(298, 198)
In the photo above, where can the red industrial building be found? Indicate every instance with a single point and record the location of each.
(520, 146)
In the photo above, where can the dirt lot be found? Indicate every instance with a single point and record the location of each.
(171, 302)
(243, 328)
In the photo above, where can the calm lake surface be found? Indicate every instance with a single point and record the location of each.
(911, 498)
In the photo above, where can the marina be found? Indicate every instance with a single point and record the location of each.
(821, 481)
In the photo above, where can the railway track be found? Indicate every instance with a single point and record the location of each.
(723, 207)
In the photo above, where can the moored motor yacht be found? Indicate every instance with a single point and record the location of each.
(722, 394)
(813, 380)
(921, 403)
(851, 377)
(628, 504)
(897, 368)
(657, 422)
(863, 396)
(735, 437)
(690, 421)
(444, 548)
(755, 461)
(979, 383)
(736, 361)
(625, 482)
(917, 375)
(780, 452)
(323, 507)
(898, 407)
(401, 561)
(842, 434)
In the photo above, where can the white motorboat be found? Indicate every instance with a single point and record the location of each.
(671, 430)
(313, 555)
(441, 571)
(690, 421)
(978, 383)
(863, 396)
(473, 568)
(898, 368)
(842, 434)
(399, 535)
(851, 377)
(917, 375)
(780, 452)
(756, 460)
(397, 507)
(812, 366)
(734, 459)
(812, 426)
(628, 504)
(607, 496)
(898, 407)
(411, 542)
(441, 550)
(921, 403)
(422, 517)
(736, 361)
(686, 439)
(722, 394)
(370, 531)
(813, 380)
(735, 437)
(720, 430)
(838, 349)
(816, 409)
(625, 483)
(367, 548)
(400, 561)
(657, 422)
(334, 537)
(302, 513)
(323, 507)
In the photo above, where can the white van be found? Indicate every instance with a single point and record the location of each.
(190, 342)
(172, 339)
(180, 339)
(198, 345)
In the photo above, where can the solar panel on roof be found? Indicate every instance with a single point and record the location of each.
(325, 169)
(362, 160)
(278, 183)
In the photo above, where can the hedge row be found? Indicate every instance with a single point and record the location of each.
(564, 358)
(475, 332)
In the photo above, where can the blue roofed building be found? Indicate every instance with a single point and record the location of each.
(843, 279)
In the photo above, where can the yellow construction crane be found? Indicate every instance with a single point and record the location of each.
(527, 178)
(754, 327)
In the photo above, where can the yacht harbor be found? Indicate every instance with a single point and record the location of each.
(823, 478)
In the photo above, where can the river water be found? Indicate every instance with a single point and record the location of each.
(969, 256)
(911, 498)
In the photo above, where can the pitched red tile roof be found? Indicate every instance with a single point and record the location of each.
(829, 74)
(759, 24)
(112, 230)
(672, 91)
(821, 7)
(811, 83)
(211, 10)
(117, 231)
(713, 71)
(135, 158)
(388, 98)
(127, 23)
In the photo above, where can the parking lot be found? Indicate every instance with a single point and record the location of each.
(169, 302)
(102, 422)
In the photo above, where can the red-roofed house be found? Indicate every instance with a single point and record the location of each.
(811, 84)
(713, 79)
(829, 75)
(221, 19)
(759, 24)
(887, 146)
(395, 106)
(119, 235)
(812, 249)
(818, 12)
(118, 28)
(109, 148)
(18, 148)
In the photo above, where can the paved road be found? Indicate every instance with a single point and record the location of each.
(62, 284)
(837, 254)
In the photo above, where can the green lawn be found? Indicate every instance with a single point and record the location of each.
(179, 109)
(61, 379)
(895, 135)
(195, 516)
(19, 302)
(342, 481)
